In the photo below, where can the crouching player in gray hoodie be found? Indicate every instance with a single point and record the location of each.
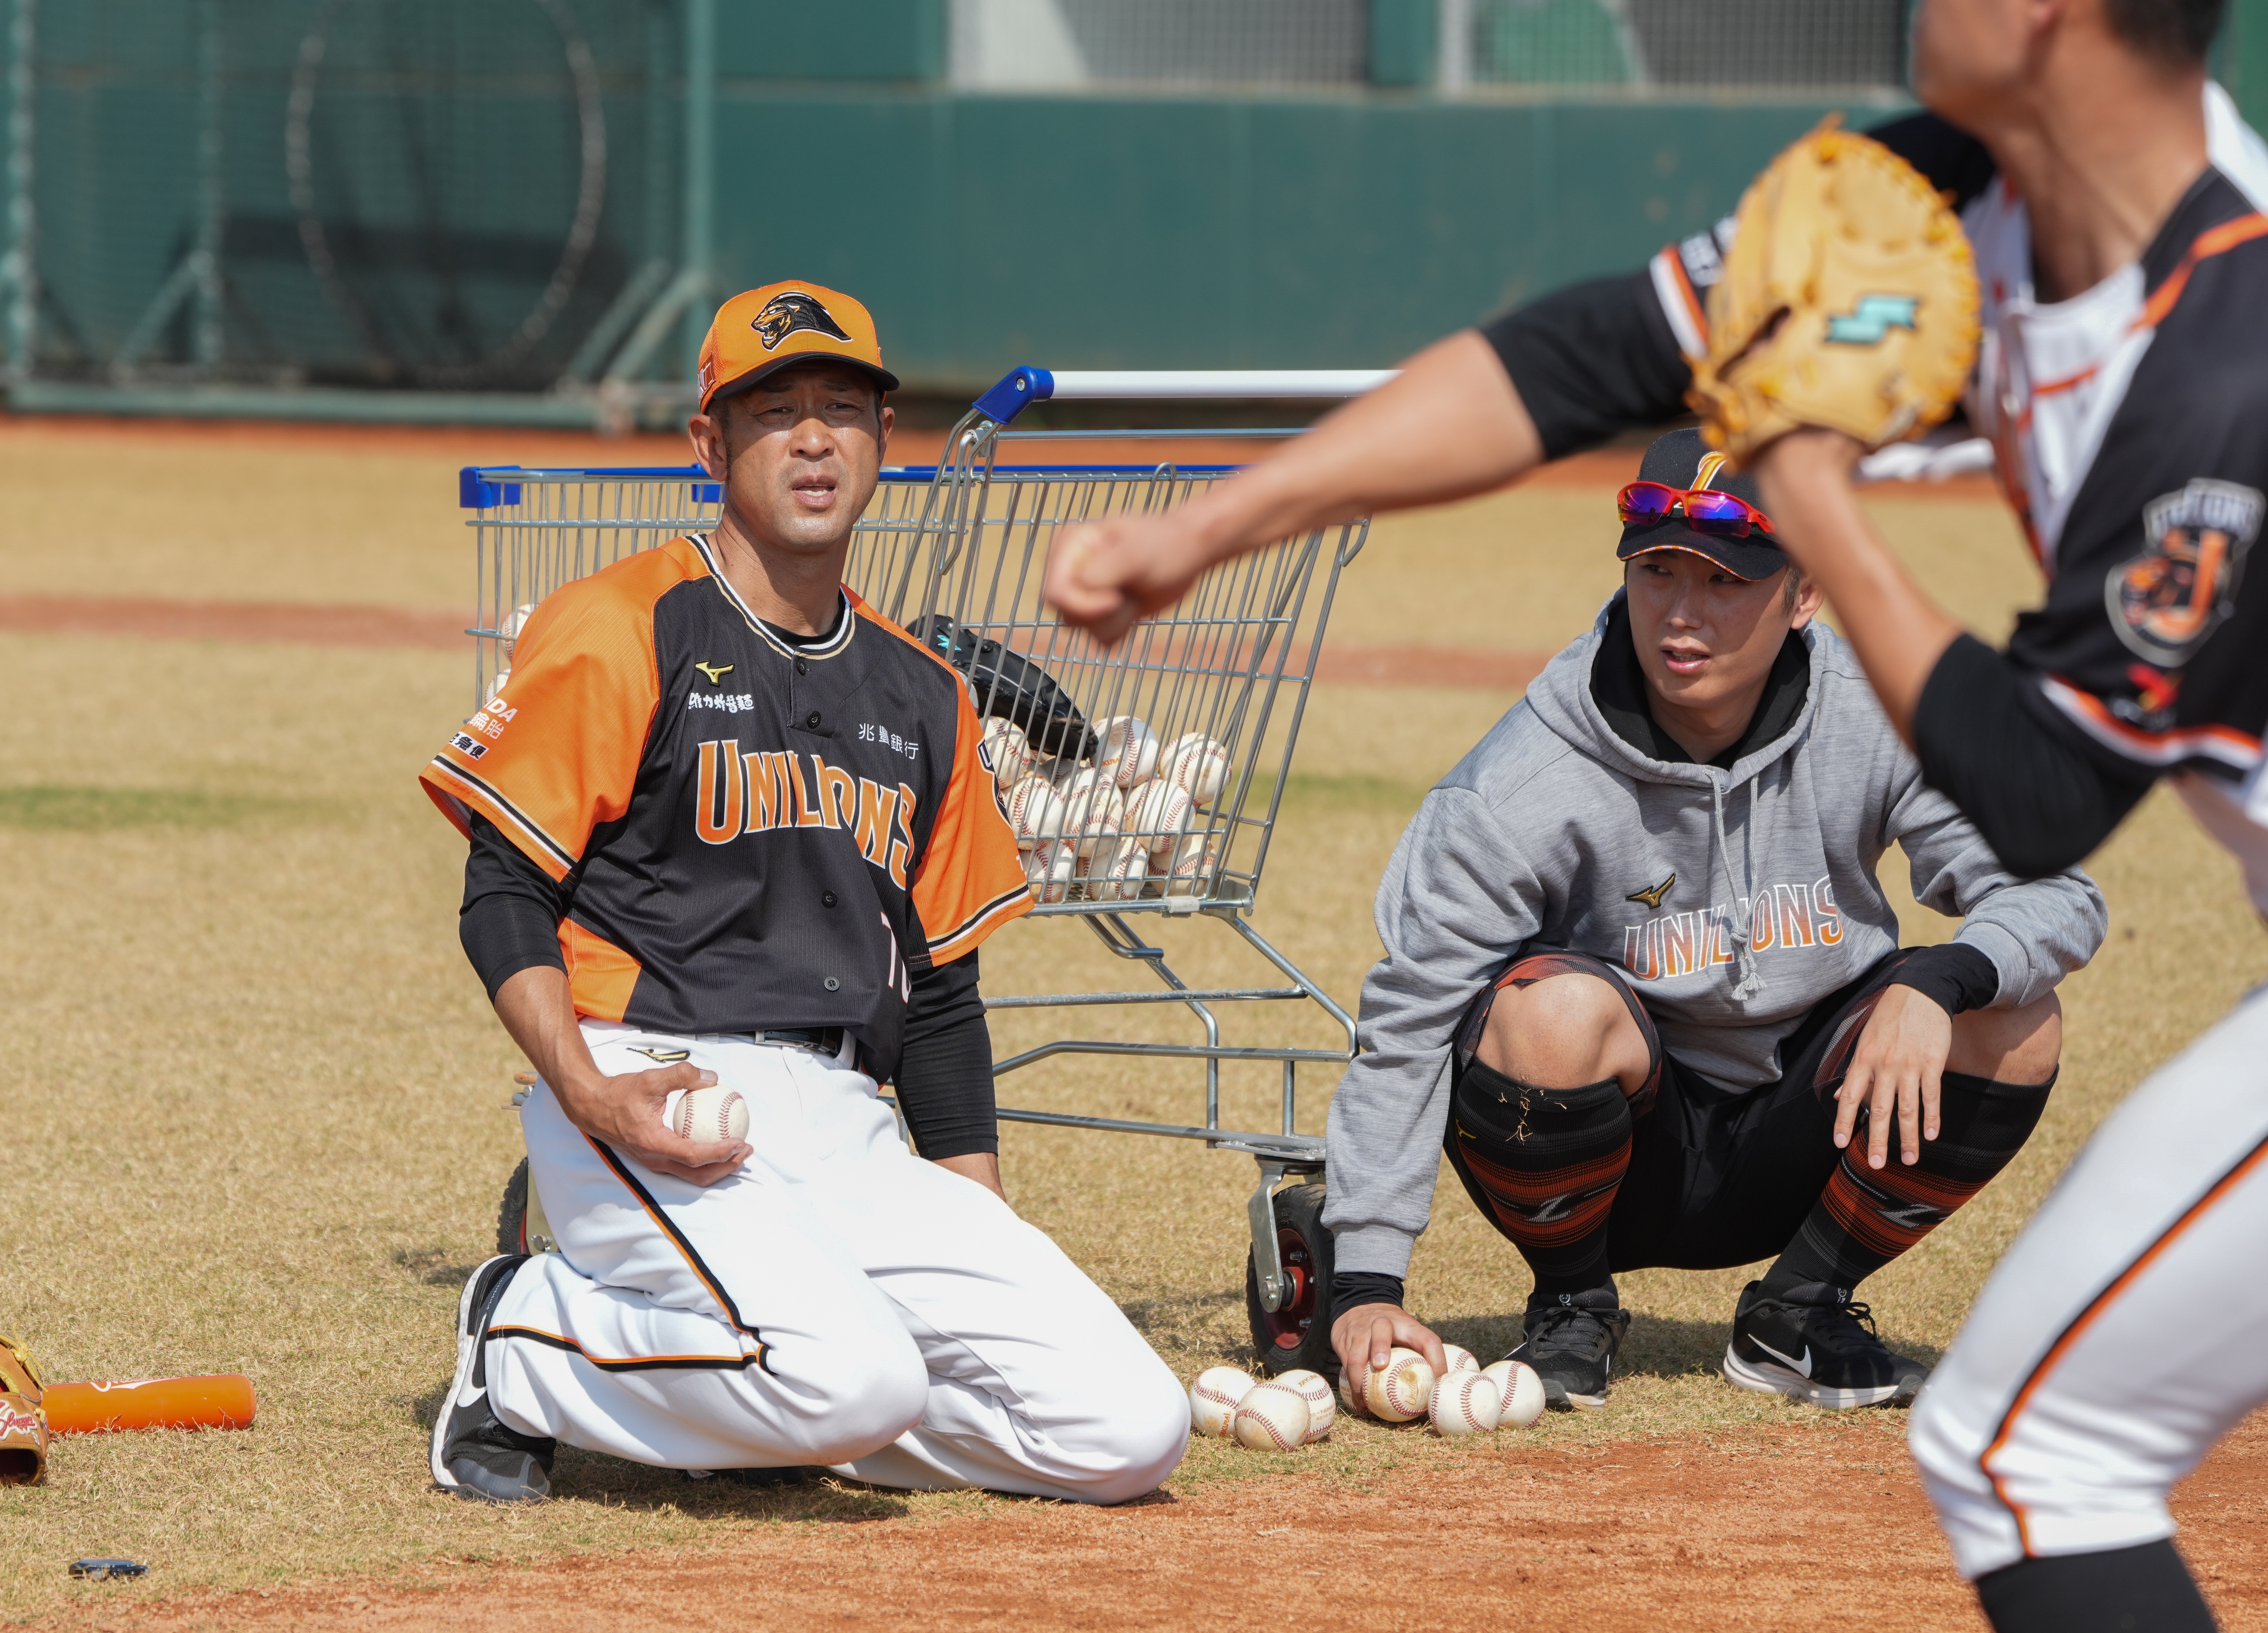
(1642, 982)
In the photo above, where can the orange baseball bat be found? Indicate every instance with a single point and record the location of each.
(224, 1401)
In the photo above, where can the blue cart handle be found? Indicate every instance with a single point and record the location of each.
(1019, 388)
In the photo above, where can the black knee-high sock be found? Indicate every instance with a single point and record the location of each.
(1544, 1164)
(2145, 1586)
(1867, 1217)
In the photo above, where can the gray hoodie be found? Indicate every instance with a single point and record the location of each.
(1546, 831)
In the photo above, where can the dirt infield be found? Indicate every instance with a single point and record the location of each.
(1824, 1526)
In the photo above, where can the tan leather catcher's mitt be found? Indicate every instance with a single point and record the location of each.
(1848, 300)
(23, 1420)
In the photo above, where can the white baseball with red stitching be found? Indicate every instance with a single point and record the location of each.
(1399, 1390)
(1521, 1389)
(1322, 1408)
(1213, 1398)
(1463, 1403)
(1271, 1418)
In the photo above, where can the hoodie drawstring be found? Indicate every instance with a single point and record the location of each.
(1744, 918)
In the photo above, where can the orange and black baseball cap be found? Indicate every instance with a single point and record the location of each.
(766, 329)
(1689, 498)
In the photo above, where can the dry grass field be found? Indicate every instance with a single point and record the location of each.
(257, 1112)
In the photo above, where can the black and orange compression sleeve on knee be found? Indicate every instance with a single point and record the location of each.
(1543, 1166)
(1867, 1217)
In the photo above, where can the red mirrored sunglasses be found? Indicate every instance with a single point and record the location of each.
(1706, 510)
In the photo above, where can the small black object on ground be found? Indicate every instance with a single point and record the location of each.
(105, 1570)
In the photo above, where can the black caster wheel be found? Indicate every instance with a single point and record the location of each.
(1299, 1335)
(511, 1212)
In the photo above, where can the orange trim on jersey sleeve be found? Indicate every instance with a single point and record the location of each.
(1675, 264)
(969, 879)
(558, 752)
(600, 976)
(2213, 241)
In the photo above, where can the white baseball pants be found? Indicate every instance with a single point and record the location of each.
(838, 1301)
(2125, 1331)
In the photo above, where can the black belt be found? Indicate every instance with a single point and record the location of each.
(818, 1040)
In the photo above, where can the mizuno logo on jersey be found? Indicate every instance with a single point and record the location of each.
(1652, 895)
(739, 793)
(1873, 317)
(1684, 943)
(715, 672)
(2166, 601)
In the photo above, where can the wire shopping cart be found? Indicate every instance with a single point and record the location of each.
(1150, 777)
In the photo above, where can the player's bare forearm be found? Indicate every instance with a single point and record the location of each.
(981, 1166)
(1899, 635)
(625, 1112)
(1450, 425)
(1366, 1334)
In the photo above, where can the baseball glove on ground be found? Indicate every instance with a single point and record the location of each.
(23, 1423)
(1848, 300)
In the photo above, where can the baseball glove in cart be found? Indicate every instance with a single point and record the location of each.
(23, 1420)
(1848, 300)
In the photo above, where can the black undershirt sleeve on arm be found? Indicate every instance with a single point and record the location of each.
(1591, 360)
(945, 1070)
(1954, 977)
(510, 921)
(2040, 799)
(1351, 1290)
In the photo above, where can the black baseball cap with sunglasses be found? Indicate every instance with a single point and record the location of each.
(1687, 497)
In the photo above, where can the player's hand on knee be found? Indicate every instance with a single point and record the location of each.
(1895, 1074)
(1366, 1334)
(626, 1113)
(1103, 576)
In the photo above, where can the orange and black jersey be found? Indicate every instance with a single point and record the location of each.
(2140, 475)
(747, 834)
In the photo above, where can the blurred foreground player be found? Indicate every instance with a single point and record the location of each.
(2113, 201)
(1673, 840)
(728, 826)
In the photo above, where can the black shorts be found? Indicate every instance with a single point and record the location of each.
(1717, 1177)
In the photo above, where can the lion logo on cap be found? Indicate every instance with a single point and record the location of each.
(789, 310)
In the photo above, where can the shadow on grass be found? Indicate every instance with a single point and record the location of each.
(1175, 1320)
(432, 1266)
(1656, 1346)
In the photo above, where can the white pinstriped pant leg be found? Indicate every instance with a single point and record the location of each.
(2126, 1330)
(838, 1301)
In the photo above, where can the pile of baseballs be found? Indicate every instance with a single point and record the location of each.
(1281, 1415)
(1119, 826)
(1469, 1399)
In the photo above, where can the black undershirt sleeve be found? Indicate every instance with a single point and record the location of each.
(1351, 1290)
(1954, 977)
(1591, 360)
(2042, 800)
(510, 921)
(944, 1071)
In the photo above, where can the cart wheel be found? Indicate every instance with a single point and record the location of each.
(1300, 1334)
(511, 1212)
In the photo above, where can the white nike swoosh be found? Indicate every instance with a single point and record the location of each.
(471, 1394)
(1802, 1367)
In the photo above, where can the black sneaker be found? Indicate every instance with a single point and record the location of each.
(1571, 1343)
(474, 1455)
(1812, 1343)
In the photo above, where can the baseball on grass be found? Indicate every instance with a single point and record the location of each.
(1463, 1403)
(1520, 1390)
(1129, 751)
(1460, 1358)
(708, 1114)
(1197, 764)
(1213, 1398)
(1310, 1388)
(1350, 1401)
(1271, 1418)
(1035, 811)
(1399, 1390)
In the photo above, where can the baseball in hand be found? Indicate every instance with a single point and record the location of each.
(1322, 1408)
(1520, 1390)
(708, 1114)
(1399, 1390)
(1271, 1418)
(1350, 1399)
(1213, 1398)
(1463, 1403)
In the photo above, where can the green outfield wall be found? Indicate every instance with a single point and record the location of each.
(985, 230)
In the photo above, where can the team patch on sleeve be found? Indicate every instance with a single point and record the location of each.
(2166, 601)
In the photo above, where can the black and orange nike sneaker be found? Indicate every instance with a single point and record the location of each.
(475, 1453)
(1813, 1343)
